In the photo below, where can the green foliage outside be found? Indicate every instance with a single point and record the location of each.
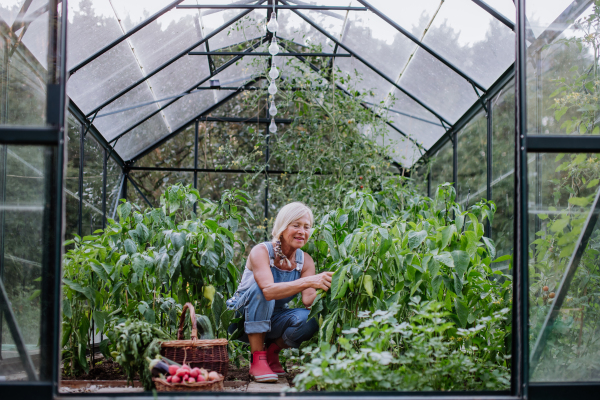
(571, 182)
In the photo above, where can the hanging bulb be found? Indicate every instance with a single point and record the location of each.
(272, 126)
(272, 88)
(274, 72)
(274, 47)
(272, 26)
(272, 109)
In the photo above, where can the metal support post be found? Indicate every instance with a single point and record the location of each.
(519, 370)
(455, 163)
(196, 128)
(490, 172)
(104, 183)
(80, 185)
(4, 152)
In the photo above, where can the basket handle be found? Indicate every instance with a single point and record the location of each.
(194, 335)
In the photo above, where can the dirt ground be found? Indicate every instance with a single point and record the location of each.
(107, 370)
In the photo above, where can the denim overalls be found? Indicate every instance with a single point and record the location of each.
(274, 316)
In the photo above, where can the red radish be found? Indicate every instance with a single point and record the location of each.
(169, 378)
(173, 369)
(186, 366)
(213, 375)
(186, 377)
(200, 378)
(181, 372)
(191, 380)
(176, 379)
(194, 373)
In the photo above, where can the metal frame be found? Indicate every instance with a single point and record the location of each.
(270, 7)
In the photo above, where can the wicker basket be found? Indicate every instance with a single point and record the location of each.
(207, 386)
(208, 354)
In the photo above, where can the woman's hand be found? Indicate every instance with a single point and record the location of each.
(320, 281)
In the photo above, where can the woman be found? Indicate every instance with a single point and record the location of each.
(275, 272)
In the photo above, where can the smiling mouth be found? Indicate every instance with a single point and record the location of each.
(301, 239)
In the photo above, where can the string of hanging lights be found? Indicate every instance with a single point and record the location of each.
(272, 27)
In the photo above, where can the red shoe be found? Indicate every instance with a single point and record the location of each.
(259, 369)
(273, 359)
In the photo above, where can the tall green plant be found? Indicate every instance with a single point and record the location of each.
(150, 263)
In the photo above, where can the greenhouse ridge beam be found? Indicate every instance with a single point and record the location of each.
(265, 54)
(373, 68)
(421, 44)
(190, 89)
(115, 42)
(269, 7)
(495, 13)
(217, 170)
(169, 62)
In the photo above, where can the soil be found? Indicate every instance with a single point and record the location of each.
(103, 370)
(238, 374)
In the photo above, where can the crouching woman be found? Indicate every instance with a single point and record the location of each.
(275, 272)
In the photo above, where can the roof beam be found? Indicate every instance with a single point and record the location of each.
(160, 109)
(422, 45)
(265, 54)
(269, 7)
(373, 68)
(496, 14)
(115, 42)
(169, 62)
(182, 127)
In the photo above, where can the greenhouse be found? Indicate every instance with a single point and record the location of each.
(250, 198)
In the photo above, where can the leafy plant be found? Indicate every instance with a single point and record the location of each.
(148, 264)
(396, 253)
(384, 354)
(136, 342)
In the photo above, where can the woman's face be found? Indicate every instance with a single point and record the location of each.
(297, 233)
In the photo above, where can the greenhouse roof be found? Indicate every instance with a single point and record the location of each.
(133, 77)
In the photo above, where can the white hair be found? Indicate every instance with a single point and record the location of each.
(288, 214)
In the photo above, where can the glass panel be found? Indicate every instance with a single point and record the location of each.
(104, 77)
(133, 12)
(127, 110)
(142, 137)
(294, 28)
(364, 79)
(176, 152)
(438, 86)
(414, 120)
(72, 178)
(23, 176)
(568, 350)
(249, 27)
(114, 177)
(441, 166)
(482, 50)
(241, 106)
(374, 39)
(503, 180)
(220, 143)
(93, 167)
(562, 78)
(92, 25)
(401, 149)
(504, 7)
(23, 59)
(214, 19)
(542, 13)
(414, 16)
(472, 161)
(153, 183)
